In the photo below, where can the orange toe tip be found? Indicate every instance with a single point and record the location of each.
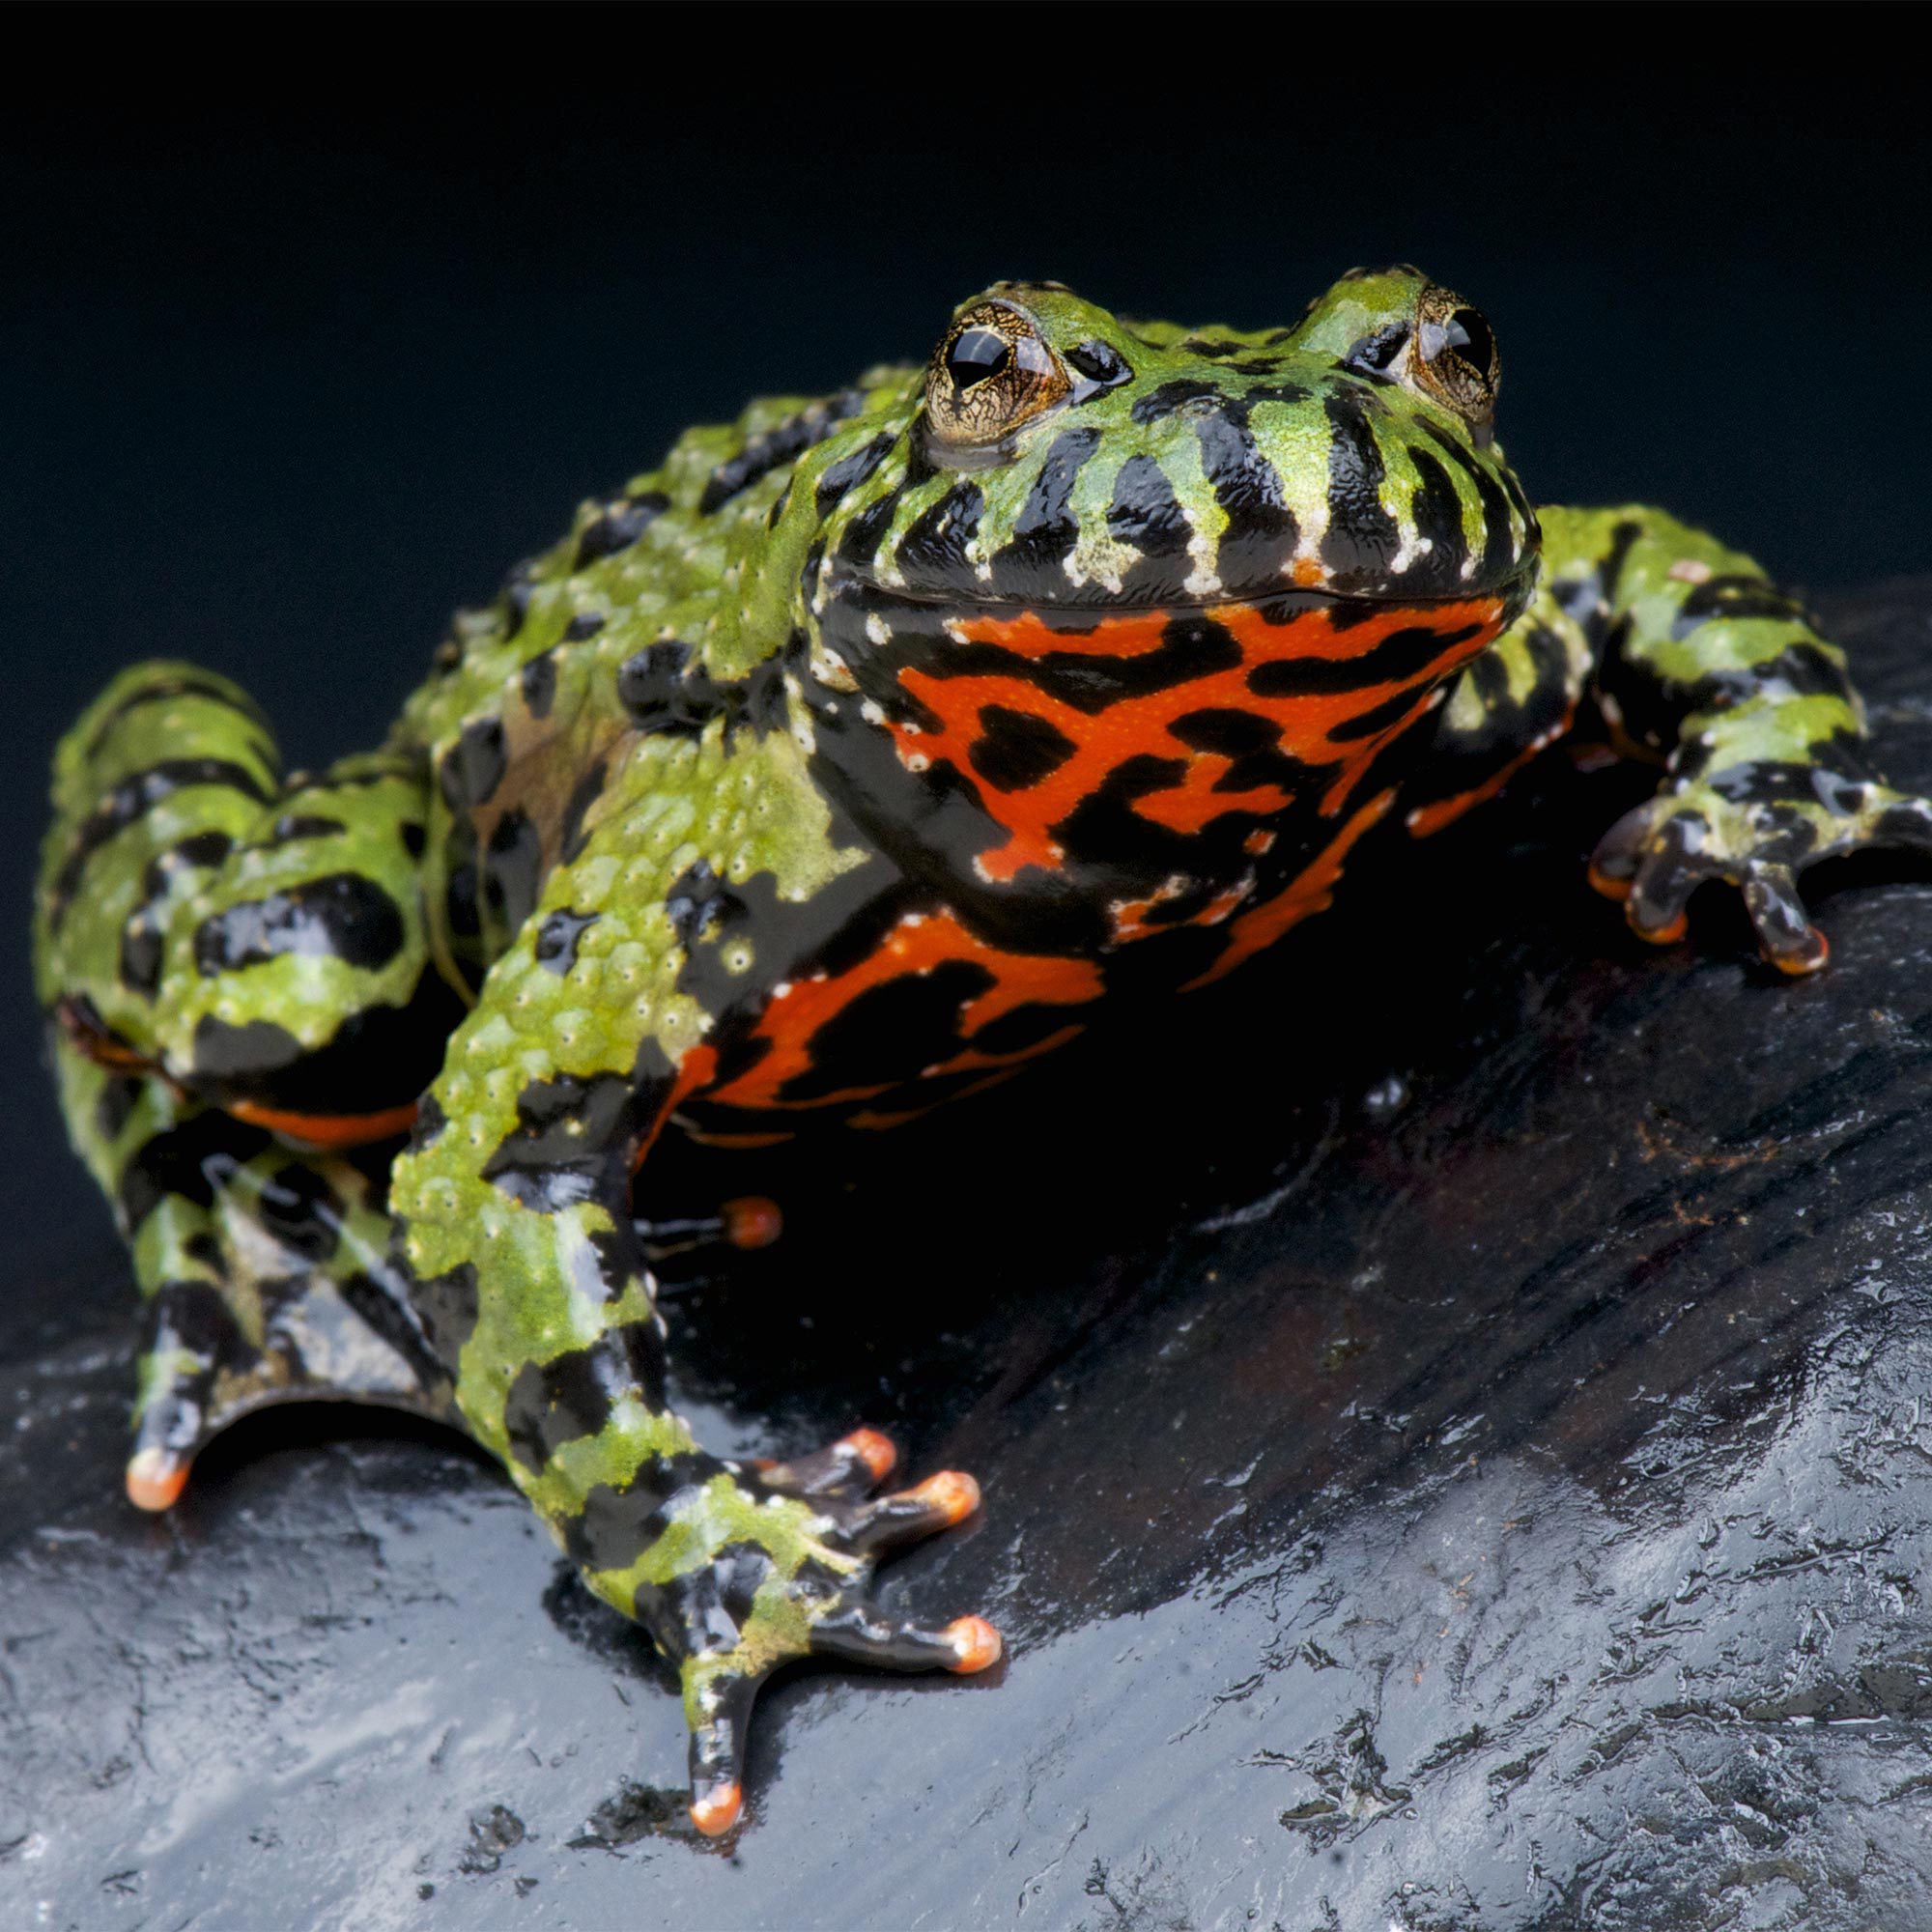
(953, 1492)
(1664, 935)
(752, 1221)
(718, 1810)
(874, 1448)
(976, 1642)
(156, 1480)
(1611, 889)
(1798, 965)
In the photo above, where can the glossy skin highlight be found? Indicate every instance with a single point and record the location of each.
(866, 750)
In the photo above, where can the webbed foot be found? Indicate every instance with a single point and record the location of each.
(793, 1582)
(296, 1302)
(1753, 828)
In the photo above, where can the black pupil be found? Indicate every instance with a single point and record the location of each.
(979, 353)
(1468, 334)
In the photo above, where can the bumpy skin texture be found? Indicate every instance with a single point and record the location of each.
(862, 753)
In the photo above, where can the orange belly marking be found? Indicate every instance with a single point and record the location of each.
(1312, 891)
(1426, 820)
(1136, 727)
(795, 1014)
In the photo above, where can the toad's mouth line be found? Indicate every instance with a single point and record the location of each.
(1079, 612)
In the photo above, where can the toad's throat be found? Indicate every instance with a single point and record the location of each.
(1191, 713)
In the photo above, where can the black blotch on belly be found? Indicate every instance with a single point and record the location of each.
(1016, 749)
(1248, 742)
(889, 1032)
(1399, 658)
(1191, 646)
(1378, 717)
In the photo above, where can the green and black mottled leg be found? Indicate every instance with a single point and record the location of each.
(514, 1204)
(228, 962)
(266, 1273)
(1703, 663)
(1697, 661)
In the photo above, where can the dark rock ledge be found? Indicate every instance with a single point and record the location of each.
(1455, 1421)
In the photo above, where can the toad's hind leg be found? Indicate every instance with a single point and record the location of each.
(261, 944)
(229, 961)
(265, 1273)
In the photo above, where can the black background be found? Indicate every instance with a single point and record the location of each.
(307, 331)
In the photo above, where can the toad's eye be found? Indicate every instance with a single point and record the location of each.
(976, 355)
(1456, 361)
(1470, 337)
(993, 373)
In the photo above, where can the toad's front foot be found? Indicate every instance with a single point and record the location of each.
(1757, 828)
(763, 1563)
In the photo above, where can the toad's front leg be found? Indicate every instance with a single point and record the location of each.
(1703, 661)
(530, 1284)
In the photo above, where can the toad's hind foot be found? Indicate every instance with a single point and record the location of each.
(850, 1468)
(279, 1290)
(856, 1633)
(807, 1594)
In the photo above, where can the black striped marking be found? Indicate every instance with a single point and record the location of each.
(617, 527)
(788, 440)
(1361, 539)
(188, 684)
(130, 800)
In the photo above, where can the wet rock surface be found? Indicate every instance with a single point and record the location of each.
(1454, 1416)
